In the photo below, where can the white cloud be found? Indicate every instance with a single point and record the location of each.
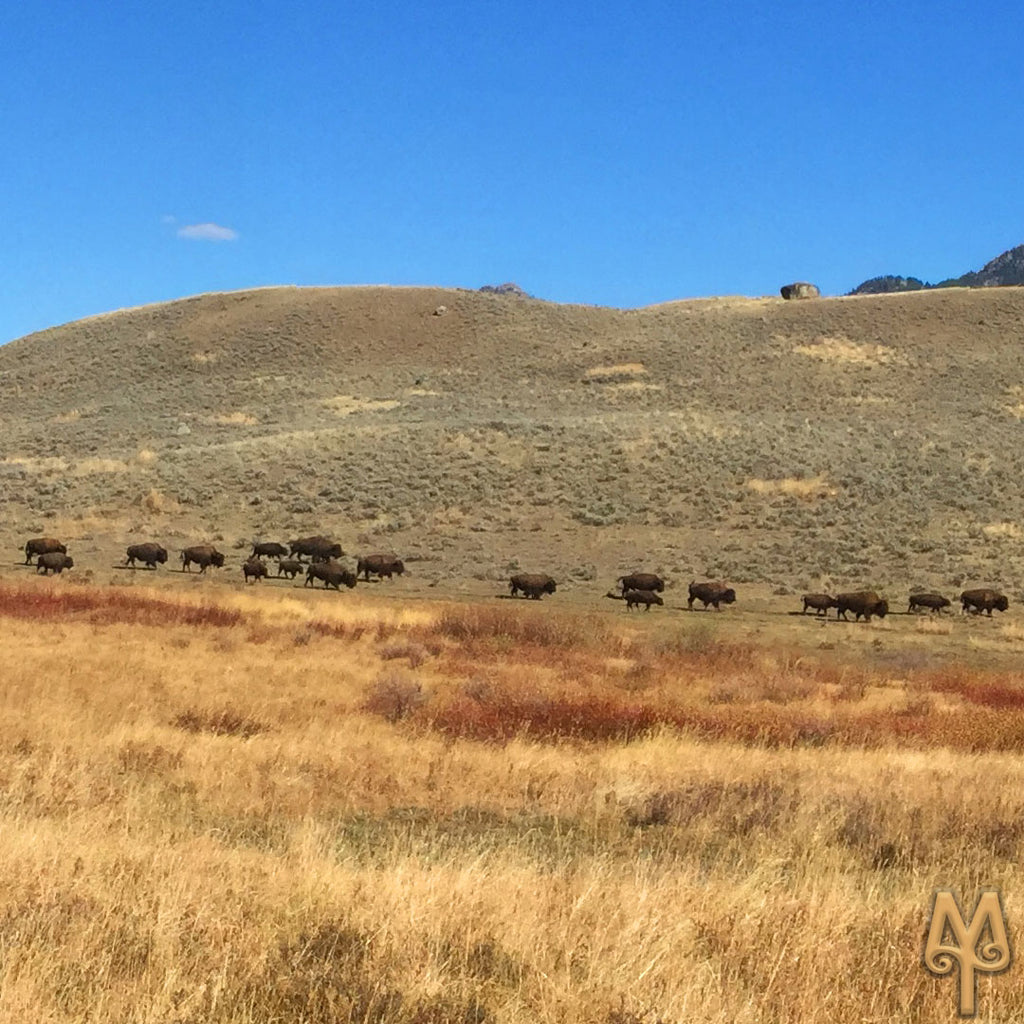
(207, 233)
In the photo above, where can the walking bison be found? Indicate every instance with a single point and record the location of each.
(331, 573)
(53, 561)
(43, 546)
(635, 598)
(641, 581)
(149, 554)
(269, 549)
(983, 600)
(380, 566)
(316, 549)
(936, 602)
(819, 602)
(711, 593)
(531, 585)
(255, 568)
(862, 603)
(289, 567)
(204, 555)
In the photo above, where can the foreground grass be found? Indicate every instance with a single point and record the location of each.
(262, 809)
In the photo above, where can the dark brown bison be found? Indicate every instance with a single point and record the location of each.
(331, 573)
(54, 561)
(290, 567)
(255, 568)
(641, 581)
(43, 546)
(711, 593)
(531, 584)
(269, 549)
(379, 565)
(820, 602)
(983, 600)
(936, 602)
(862, 603)
(641, 597)
(149, 554)
(204, 555)
(317, 549)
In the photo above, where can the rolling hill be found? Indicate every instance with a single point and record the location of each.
(867, 440)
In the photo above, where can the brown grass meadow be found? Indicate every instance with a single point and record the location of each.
(252, 808)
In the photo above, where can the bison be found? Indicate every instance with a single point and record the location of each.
(983, 600)
(710, 593)
(204, 555)
(269, 549)
(936, 602)
(331, 573)
(862, 603)
(531, 584)
(641, 581)
(255, 568)
(290, 567)
(318, 549)
(641, 597)
(148, 553)
(820, 602)
(379, 565)
(54, 561)
(43, 546)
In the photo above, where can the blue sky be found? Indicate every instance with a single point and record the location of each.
(618, 155)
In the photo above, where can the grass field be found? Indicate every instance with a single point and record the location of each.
(252, 806)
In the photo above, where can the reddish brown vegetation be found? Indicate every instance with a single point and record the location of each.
(107, 606)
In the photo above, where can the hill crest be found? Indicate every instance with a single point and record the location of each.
(842, 442)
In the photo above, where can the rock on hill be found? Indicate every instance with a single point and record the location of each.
(1007, 269)
(867, 441)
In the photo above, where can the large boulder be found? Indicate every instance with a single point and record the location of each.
(800, 290)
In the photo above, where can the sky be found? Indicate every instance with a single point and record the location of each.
(611, 154)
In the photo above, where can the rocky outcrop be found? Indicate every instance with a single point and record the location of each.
(508, 288)
(800, 290)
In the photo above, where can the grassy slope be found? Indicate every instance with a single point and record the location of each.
(843, 442)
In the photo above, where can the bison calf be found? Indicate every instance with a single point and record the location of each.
(255, 568)
(54, 561)
(820, 602)
(290, 567)
(635, 598)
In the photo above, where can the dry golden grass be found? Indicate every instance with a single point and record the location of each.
(843, 350)
(804, 488)
(231, 807)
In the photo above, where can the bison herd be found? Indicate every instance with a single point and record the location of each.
(51, 556)
(639, 589)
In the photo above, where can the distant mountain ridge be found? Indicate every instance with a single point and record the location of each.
(1005, 269)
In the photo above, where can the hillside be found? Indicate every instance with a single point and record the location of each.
(1005, 269)
(871, 440)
